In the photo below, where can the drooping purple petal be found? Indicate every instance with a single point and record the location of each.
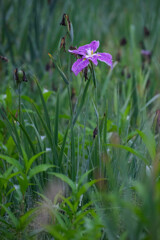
(79, 65)
(94, 45)
(78, 52)
(105, 57)
(94, 59)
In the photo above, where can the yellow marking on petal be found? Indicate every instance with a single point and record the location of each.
(92, 52)
(84, 59)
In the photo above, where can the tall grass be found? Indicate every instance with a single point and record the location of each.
(79, 159)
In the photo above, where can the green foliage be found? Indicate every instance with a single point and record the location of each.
(93, 138)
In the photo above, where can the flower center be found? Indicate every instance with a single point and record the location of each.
(89, 53)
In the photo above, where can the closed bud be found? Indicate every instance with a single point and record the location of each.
(20, 76)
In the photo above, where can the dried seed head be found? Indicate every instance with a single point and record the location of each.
(95, 132)
(63, 43)
(146, 31)
(73, 93)
(123, 42)
(4, 58)
(49, 66)
(158, 117)
(66, 22)
(118, 56)
(72, 48)
(86, 73)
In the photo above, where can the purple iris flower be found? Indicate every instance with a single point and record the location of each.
(87, 54)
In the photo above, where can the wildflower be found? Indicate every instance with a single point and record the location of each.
(87, 54)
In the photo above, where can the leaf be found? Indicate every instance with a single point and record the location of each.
(82, 102)
(62, 148)
(32, 159)
(149, 141)
(38, 169)
(46, 115)
(26, 219)
(87, 185)
(66, 179)
(46, 95)
(12, 161)
(84, 176)
(48, 134)
(59, 70)
(56, 121)
(131, 150)
(11, 215)
(25, 132)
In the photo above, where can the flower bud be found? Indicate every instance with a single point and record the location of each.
(20, 76)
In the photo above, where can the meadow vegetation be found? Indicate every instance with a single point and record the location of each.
(79, 155)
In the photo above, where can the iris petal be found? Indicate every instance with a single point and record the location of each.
(105, 57)
(78, 52)
(94, 59)
(94, 45)
(79, 65)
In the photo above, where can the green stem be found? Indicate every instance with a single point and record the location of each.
(19, 101)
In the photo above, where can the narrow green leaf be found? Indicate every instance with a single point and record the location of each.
(25, 132)
(87, 185)
(48, 133)
(81, 103)
(82, 178)
(12, 161)
(56, 121)
(149, 141)
(32, 159)
(38, 169)
(66, 179)
(59, 70)
(62, 148)
(11, 215)
(131, 150)
(73, 158)
(46, 115)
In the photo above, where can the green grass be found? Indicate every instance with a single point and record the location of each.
(79, 159)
